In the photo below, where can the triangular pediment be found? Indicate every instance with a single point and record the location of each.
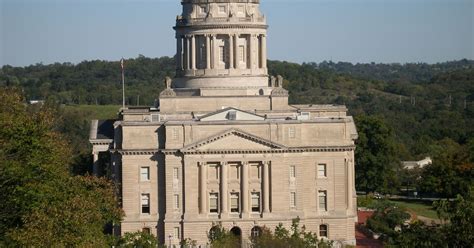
(231, 114)
(233, 140)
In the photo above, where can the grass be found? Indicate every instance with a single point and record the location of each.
(421, 208)
(100, 112)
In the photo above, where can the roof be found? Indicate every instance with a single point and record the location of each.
(102, 130)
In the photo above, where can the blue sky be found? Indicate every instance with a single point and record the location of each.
(48, 31)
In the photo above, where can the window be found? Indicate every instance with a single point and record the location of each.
(323, 206)
(234, 202)
(293, 199)
(213, 171)
(256, 202)
(256, 232)
(322, 170)
(213, 202)
(146, 230)
(291, 133)
(292, 171)
(176, 173)
(323, 231)
(176, 233)
(232, 115)
(222, 54)
(145, 174)
(222, 9)
(242, 53)
(176, 201)
(145, 203)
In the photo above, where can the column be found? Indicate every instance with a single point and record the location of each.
(203, 187)
(179, 53)
(224, 184)
(231, 51)
(208, 52)
(245, 187)
(349, 184)
(266, 187)
(213, 50)
(264, 51)
(186, 53)
(250, 55)
(193, 52)
(95, 165)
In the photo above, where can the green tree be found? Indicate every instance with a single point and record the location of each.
(42, 204)
(138, 240)
(377, 163)
(296, 237)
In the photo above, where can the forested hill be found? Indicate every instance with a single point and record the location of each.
(424, 103)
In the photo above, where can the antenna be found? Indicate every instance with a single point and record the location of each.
(123, 83)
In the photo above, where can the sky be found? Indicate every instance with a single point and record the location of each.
(357, 31)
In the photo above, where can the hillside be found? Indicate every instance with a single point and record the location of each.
(423, 103)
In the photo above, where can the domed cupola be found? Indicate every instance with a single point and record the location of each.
(221, 44)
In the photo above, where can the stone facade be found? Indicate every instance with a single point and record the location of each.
(225, 147)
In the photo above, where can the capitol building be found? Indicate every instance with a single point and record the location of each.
(224, 146)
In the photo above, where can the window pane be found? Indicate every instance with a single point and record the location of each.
(234, 202)
(323, 230)
(176, 173)
(322, 170)
(213, 202)
(145, 173)
(292, 171)
(176, 201)
(255, 202)
(145, 203)
(322, 200)
(293, 199)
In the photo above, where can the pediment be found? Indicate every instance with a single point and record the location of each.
(233, 140)
(231, 114)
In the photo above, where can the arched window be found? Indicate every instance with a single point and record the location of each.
(146, 230)
(256, 232)
(323, 231)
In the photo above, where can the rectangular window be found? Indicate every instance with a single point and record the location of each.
(256, 202)
(176, 173)
(222, 54)
(144, 174)
(177, 233)
(292, 171)
(222, 9)
(234, 203)
(323, 231)
(176, 201)
(232, 115)
(145, 203)
(214, 202)
(291, 133)
(293, 199)
(322, 170)
(242, 53)
(322, 196)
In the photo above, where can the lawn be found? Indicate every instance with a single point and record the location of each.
(421, 208)
(100, 112)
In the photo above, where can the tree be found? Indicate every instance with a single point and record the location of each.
(138, 240)
(296, 237)
(219, 237)
(42, 204)
(375, 156)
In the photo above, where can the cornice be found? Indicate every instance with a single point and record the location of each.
(220, 26)
(245, 151)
